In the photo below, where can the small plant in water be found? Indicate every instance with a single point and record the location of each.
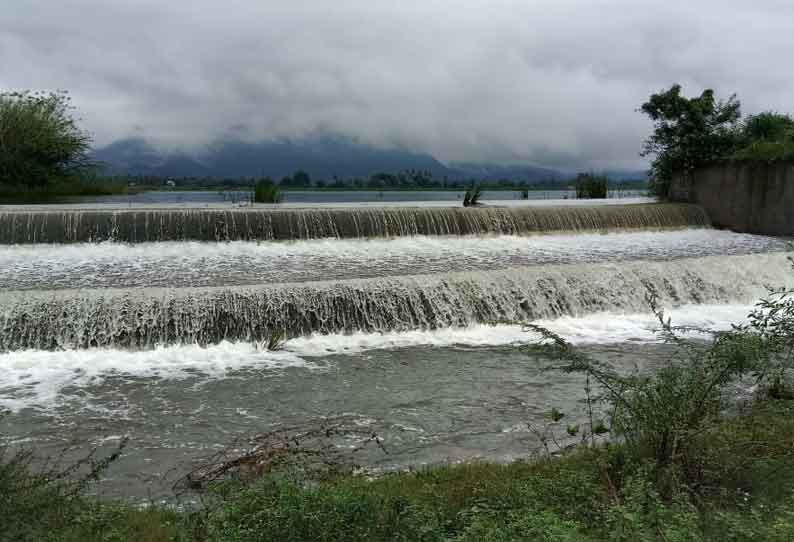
(472, 197)
(266, 191)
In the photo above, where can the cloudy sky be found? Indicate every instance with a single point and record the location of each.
(554, 82)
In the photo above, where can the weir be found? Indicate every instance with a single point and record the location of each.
(144, 318)
(20, 226)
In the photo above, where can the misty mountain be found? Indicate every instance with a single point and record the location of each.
(497, 172)
(321, 157)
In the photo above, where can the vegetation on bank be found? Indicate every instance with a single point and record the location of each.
(694, 132)
(266, 191)
(44, 154)
(674, 455)
(139, 182)
(591, 186)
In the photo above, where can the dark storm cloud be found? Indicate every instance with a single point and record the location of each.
(556, 82)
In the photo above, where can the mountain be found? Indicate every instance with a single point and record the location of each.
(322, 158)
(496, 172)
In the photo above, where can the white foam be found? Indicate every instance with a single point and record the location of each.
(601, 328)
(176, 263)
(35, 378)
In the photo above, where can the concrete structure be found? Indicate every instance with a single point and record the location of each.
(752, 197)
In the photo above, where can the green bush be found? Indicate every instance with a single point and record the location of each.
(266, 191)
(591, 186)
(766, 151)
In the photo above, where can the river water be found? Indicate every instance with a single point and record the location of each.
(415, 337)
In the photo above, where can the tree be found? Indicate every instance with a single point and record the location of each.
(767, 126)
(688, 133)
(40, 141)
(301, 178)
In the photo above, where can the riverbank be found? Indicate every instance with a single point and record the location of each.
(59, 192)
(602, 493)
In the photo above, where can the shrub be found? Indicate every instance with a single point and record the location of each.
(266, 191)
(591, 186)
(662, 418)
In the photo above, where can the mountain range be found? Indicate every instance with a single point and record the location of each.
(320, 157)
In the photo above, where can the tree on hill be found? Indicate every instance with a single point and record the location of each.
(40, 141)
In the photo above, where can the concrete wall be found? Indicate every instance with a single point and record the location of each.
(752, 197)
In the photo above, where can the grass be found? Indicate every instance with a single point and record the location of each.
(591, 494)
(60, 191)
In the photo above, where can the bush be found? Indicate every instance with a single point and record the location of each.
(766, 151)
(266, 191)
(40, 142)
(662, 419)
(591, 186)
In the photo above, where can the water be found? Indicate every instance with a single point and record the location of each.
(145, 318)
(453, 395)
(62, 225)
(401, 320)
(342, 196)
(181, 264)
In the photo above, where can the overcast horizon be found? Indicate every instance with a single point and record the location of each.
(555, 84)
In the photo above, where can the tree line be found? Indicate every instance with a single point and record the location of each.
(692, 132)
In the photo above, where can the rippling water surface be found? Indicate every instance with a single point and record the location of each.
(448, 395)
(102, 265)
(416, 338)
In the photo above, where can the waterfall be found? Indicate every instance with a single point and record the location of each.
(144, 318)
(141, 225)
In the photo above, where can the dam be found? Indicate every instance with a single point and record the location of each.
(268, 224)
(187, 328)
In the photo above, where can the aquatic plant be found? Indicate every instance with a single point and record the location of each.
(472, 197)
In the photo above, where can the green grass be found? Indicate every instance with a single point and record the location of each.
(587, 495)
(59, 191)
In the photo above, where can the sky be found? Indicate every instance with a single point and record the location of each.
(550, 82)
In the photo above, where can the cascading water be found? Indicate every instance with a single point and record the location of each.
(142, 225)
(396, 317)
(143, 318)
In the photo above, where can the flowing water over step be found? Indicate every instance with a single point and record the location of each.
(148, 225)
(144, 318)
(401, 320)
(180, 264)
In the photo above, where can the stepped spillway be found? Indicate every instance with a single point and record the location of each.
(20, 226)
(144, 318)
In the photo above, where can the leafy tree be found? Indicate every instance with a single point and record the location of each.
(301, 178)
(40, 141)
(768, 126)
(591, 186)
(688, 132)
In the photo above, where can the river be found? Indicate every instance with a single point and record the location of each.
(404, 321)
